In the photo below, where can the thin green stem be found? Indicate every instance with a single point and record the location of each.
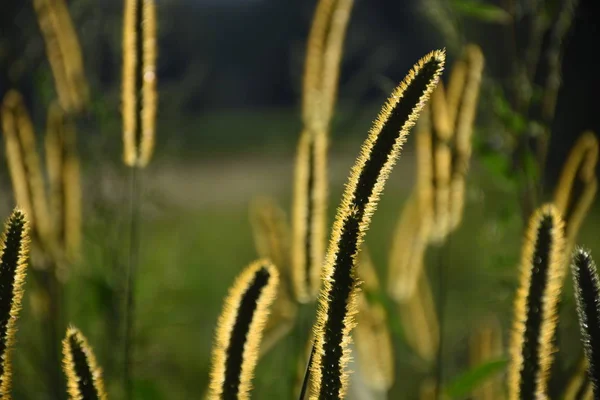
(134, 246)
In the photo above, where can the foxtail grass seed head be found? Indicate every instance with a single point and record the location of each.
(14, 152)
(535, 317)
(240, 329)
(337, 299)
(139, 80)
(84, 376)
(375, 351)
(587, 295)
(578, 184)
(309, 218)
(420, 321)
(322, 62)
(64, 54)
(13, 263)
(455, 90)
(15, 112)
(407, 254)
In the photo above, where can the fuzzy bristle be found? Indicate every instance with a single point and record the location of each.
(84, 376)
(240, 329)
(535, 318)
(14, 245)
(587, 295)
(337, 299)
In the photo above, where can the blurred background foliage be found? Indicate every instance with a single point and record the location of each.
(229, 74)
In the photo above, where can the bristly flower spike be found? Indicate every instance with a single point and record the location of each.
(13, 263)
(587, 295)
(240, 329)
(338, 295)
(84, 377)
(535, 318)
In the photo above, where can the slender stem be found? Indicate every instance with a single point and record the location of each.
(441, 269)
(134, 246)
(306, 375)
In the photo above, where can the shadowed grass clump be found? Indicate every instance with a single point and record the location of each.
(338, 296)
(587, 295)
(84, 377)
(13, 257)
(536, 300)
(239, 331)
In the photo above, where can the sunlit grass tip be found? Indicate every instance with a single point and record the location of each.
(338, 296)
(240, 329)
(84, 376)
(535, 317)
(14, 244)
(587, 296)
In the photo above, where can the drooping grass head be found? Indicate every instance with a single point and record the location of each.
(536, 300)
(337, 298)
(84, 377)
(239, 331)
(587, 295)
(13, 258)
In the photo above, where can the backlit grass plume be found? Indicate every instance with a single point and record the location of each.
(420, 320)
(536, 300)
(587, 295)
(62, 164)
(84, 377)
(321, 76)
(239, 331)
(578, 184)
(462, 116)
(338, 296)
(64, 53)
(372, 337)
(24, 165)
(139, 95)
(13, 263)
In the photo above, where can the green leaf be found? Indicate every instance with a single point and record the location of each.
(482, 11)
(462, 386)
